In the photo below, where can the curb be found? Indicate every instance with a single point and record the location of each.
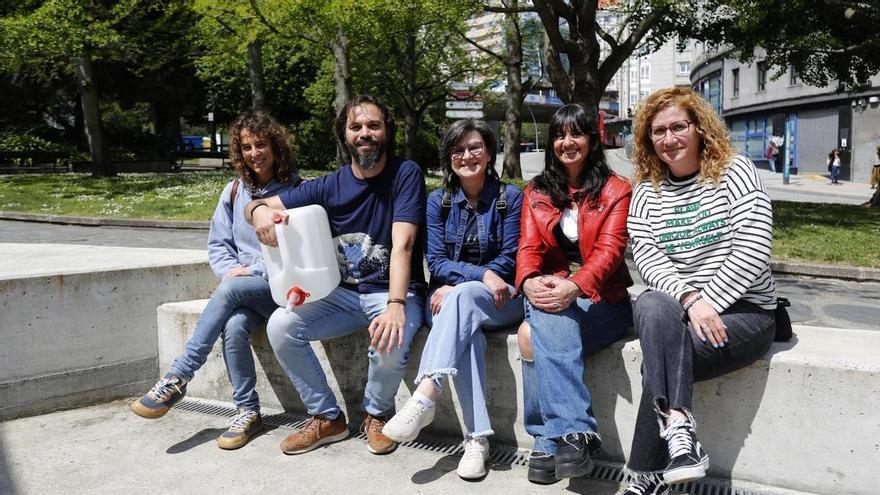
(845, 272)
(105, 222)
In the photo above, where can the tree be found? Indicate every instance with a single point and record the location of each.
(824, 40)
(517, 32)
(410, 53)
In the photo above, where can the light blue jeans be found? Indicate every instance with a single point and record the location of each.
(236, 308)
(342, 312)
(457, 347)
(556, 401)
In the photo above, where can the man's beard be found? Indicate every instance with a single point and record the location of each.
(368, 159)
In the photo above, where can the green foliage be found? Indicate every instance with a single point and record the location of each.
(827, 41)
(25, 142)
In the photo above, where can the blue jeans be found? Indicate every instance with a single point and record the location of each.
(556, 401)
(457, 347)
(236, 308)
(835, 173)
(342, 312)
(673, 358)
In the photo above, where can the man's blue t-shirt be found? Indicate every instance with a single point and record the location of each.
(361, 212)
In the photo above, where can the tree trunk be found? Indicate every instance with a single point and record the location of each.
(166, 121)
(411, 116)
(342, 80)
(513, 116)
(102, 165)
(255, 72)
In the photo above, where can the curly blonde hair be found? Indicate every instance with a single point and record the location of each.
(716, 150)
(260, 123)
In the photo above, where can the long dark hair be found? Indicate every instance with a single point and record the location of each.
(552, 180)
(260, 123)
(452, 135)
(387, 117)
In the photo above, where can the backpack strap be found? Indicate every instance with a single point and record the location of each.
(234, 192)
(445, 205)
(501, 202)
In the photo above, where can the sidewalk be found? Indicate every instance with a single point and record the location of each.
(107, 449)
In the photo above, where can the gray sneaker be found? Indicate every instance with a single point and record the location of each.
(164, 394)
(242, 427)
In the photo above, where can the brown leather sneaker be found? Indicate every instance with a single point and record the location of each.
(377, 442)
(318, 431)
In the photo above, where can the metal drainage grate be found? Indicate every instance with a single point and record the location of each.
(602, 471)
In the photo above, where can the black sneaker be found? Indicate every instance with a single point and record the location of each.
(542, 468)
(688, 460)
(646, 484)
(573, 456)
(164, 394)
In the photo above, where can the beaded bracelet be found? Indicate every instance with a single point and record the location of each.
(691, 300)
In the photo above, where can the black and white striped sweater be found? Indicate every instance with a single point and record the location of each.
(693, 235)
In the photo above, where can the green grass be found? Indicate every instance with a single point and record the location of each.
(826, 233)
(823, 233)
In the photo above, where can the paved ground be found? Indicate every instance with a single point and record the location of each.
(107, 449)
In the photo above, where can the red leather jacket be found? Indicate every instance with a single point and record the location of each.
(601, 237)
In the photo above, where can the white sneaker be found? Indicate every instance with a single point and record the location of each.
(409, 421)
(473, 463)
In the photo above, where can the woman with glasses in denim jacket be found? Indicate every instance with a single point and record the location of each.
(701, 227)
(570, 267)
(473, 230)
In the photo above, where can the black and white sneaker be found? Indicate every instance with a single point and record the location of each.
(688, 461)
(573, 456)
(646, 484)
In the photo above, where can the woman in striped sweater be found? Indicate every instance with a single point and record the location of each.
(701, 229)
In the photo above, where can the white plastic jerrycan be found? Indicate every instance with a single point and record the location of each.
(303, 268)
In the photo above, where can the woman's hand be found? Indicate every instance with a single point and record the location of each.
(707, 323)
(239, 271)
(437, 298)
(551, 293)
(499, 288)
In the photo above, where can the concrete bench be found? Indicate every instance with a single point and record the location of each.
(78, 323)
(805, 417)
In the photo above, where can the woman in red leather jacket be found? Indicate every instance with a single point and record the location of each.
(570, 267)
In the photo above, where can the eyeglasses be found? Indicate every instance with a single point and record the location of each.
(678, 128)
(475, 150)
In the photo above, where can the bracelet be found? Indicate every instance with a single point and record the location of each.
(402, 302)
(691, 301)
(255, 208)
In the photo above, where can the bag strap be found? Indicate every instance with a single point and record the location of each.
(500, 203)
(234, 192)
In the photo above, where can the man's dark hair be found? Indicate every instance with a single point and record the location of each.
(342, 119)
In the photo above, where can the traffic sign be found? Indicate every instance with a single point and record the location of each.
(464, 114)
(464, 105)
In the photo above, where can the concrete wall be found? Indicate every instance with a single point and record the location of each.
(866, 138)
(78, 323)
(804, 417)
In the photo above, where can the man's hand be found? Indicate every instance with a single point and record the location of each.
(551, 293)
(499, 288)
(239, 271)
(707, 323)
(386, 330)
(437, 298)
(265, 220)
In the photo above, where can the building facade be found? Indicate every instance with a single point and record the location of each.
(759, 105)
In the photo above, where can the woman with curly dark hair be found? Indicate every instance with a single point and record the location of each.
(570, 267)
(260, 153)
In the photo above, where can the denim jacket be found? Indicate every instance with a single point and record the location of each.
(498, 235)
(232, 242)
